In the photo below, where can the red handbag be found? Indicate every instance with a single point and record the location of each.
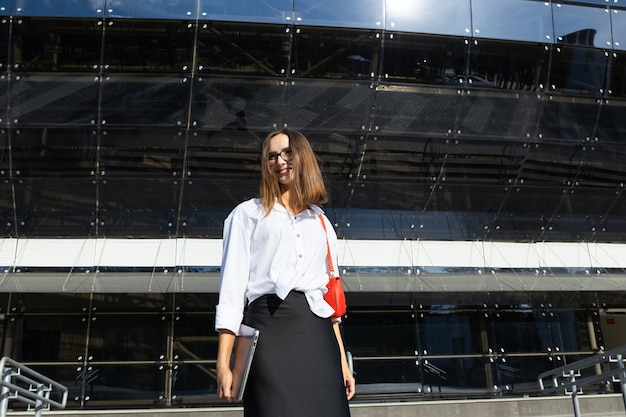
(335, 296)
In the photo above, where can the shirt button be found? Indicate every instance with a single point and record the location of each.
(300, 256)
(298, 235)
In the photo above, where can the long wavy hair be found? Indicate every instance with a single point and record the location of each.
(308, 184)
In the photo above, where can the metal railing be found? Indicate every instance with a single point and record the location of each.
(569, 379)
(40, 394)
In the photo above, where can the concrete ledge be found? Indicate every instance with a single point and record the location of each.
(555, 406)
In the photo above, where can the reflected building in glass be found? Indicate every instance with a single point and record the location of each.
(474, 153)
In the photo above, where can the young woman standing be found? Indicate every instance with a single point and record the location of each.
(274, 266)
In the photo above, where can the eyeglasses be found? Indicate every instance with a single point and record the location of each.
(285, 154)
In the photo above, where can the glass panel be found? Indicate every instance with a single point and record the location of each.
(5, 7)
(147, 100)
(46, 338)
(70, 8)
(195, 384)
(234, 103)
(134, 207)
(518, 374)
(271, 11)
(388, 375)
(205, 205)
(44, 303)
(562, 119)
(351, 13)
(151, 302)
(125, 385)
(69, 376)
(617, 82)
(48, 44)
(153, 9)
(195, 338)
(328, 106)
(578, 71)
(450, 333)
(336, 53)
(63, 152)
(519, 20)
(445, 377)
(582, 25)
(243, 49)
(4, 46)
(39, 99)
(127, 337)
(395, 334)
(148, 46)
(424, 59)
(444, 17)
(618, 24)
(510, 66)
(55, 207)
(141, 152)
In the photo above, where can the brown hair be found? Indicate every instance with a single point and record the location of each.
(308, 186)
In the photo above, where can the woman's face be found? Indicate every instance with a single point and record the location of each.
(281, 160)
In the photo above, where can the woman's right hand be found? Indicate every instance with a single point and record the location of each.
(225, 343)
(225, 383)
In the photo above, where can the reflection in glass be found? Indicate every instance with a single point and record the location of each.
(195, 384)
(509, 65)
(153, 9)
(582, 25)
(272, 11)
(519, 20)
(352, 13)
(617, 82)
(70, 8)
(618, 25)
(67, 98)
(444, 17)
(152, 99)
(424, 59)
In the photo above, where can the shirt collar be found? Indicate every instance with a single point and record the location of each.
(313, 210)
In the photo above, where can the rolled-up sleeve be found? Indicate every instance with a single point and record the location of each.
(234, 274)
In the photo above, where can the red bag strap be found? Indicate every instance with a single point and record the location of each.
(331, 268)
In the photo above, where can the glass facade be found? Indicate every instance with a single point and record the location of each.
(453, 120)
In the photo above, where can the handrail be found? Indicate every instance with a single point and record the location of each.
(568, 378)
(39, 392)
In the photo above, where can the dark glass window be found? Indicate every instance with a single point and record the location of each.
(148, 46)
(335, 53)
(127, 337)
(617, 81)
(424, 59)
(127, 384)
(578, 71)
(618, 25)
(39, 100)
(50, 44)
(243, 49)
(509, 66)
(46, 337)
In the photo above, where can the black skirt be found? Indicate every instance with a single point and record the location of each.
(296, 370)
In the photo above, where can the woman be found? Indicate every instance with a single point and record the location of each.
(275, 264)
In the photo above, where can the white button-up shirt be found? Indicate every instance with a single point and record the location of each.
(272, 254)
